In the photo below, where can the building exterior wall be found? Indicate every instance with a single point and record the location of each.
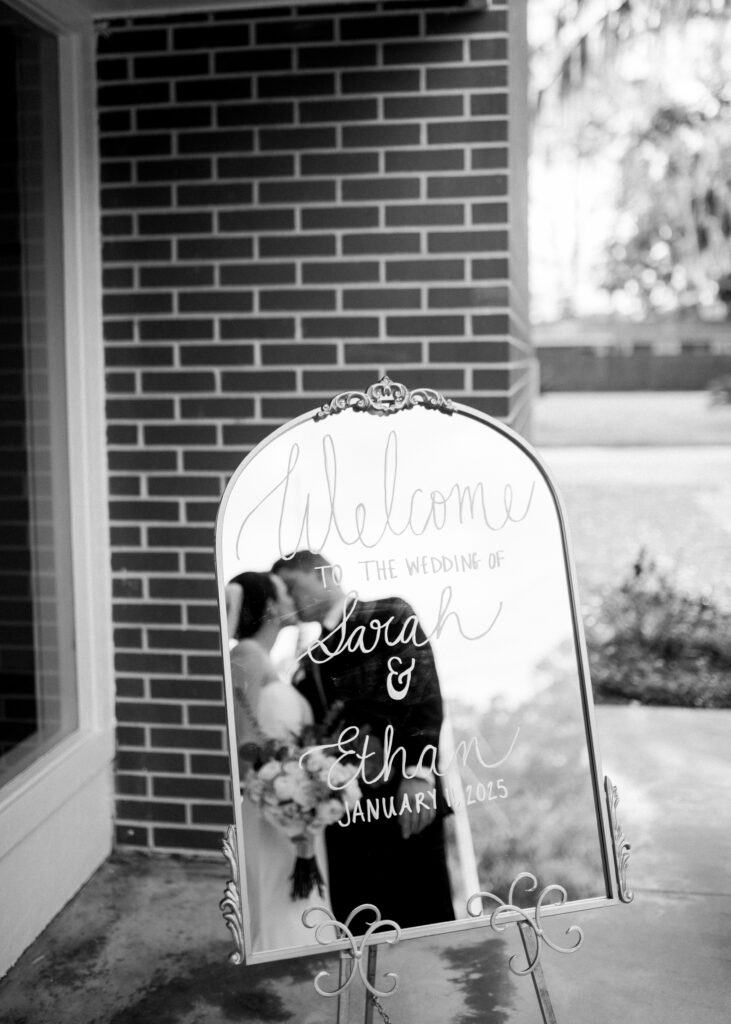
(293, 203)
(610, 355)
(587, 369)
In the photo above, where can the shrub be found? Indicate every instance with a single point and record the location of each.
(653, 641)
(719, 390)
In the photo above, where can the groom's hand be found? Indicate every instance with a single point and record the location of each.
(422, 812)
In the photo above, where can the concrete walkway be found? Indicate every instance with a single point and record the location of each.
(641, 470)
(672, 418)
(666, 957)
(144, 943)
(673, 502)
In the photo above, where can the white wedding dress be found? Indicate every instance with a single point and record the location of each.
(281, 713)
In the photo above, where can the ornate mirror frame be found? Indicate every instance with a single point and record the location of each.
(394, 401)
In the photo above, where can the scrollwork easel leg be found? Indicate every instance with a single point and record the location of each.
(230, 905)
(620, 846)
(530, 943)
(371, 975)
(347, 966)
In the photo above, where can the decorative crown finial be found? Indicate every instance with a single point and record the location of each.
(385, 397)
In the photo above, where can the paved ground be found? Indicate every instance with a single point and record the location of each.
(632, 418)
(640, 470)
(673, 502)
(144, 941)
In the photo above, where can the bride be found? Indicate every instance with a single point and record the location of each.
(267, 706)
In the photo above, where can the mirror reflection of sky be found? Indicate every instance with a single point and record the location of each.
(462, 499)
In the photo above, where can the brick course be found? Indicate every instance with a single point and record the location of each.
(292, 204)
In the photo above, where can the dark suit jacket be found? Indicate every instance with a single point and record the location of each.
(359, 680)
(370, 861)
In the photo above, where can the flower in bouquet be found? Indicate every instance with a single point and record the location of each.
(342, 777)
(329, 813)
(300, 791)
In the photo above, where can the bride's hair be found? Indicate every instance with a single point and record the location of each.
(301, 561)
(259, 589)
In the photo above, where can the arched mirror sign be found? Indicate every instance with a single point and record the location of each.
(409, 709)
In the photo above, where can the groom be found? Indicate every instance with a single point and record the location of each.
(390, 698)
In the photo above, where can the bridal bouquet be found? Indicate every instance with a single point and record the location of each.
(290, 784)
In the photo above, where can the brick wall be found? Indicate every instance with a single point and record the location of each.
(292, 204)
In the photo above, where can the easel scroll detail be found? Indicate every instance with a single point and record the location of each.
(230, 905)
(385, 397)
(357, 949)
(620, 846)
(509, 909)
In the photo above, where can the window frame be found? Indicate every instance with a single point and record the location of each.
(76, 772)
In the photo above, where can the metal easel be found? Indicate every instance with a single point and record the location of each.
(361, 955)
(373, 1003)
(530, 928)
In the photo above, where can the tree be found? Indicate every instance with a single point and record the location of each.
(640, 89)
(675, 253)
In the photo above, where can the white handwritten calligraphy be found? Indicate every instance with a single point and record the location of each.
(367, 524)
(365, 639)
(353, 757)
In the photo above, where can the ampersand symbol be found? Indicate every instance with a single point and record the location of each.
(403, 678)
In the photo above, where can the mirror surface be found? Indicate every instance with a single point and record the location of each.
(428, 659)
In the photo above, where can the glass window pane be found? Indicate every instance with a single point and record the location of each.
(38, 703)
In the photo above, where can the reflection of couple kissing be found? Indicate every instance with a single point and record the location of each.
(396, 862)
(390, 862)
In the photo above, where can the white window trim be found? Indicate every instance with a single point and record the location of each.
(55, 15)
(81, 763)
(141, 8)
